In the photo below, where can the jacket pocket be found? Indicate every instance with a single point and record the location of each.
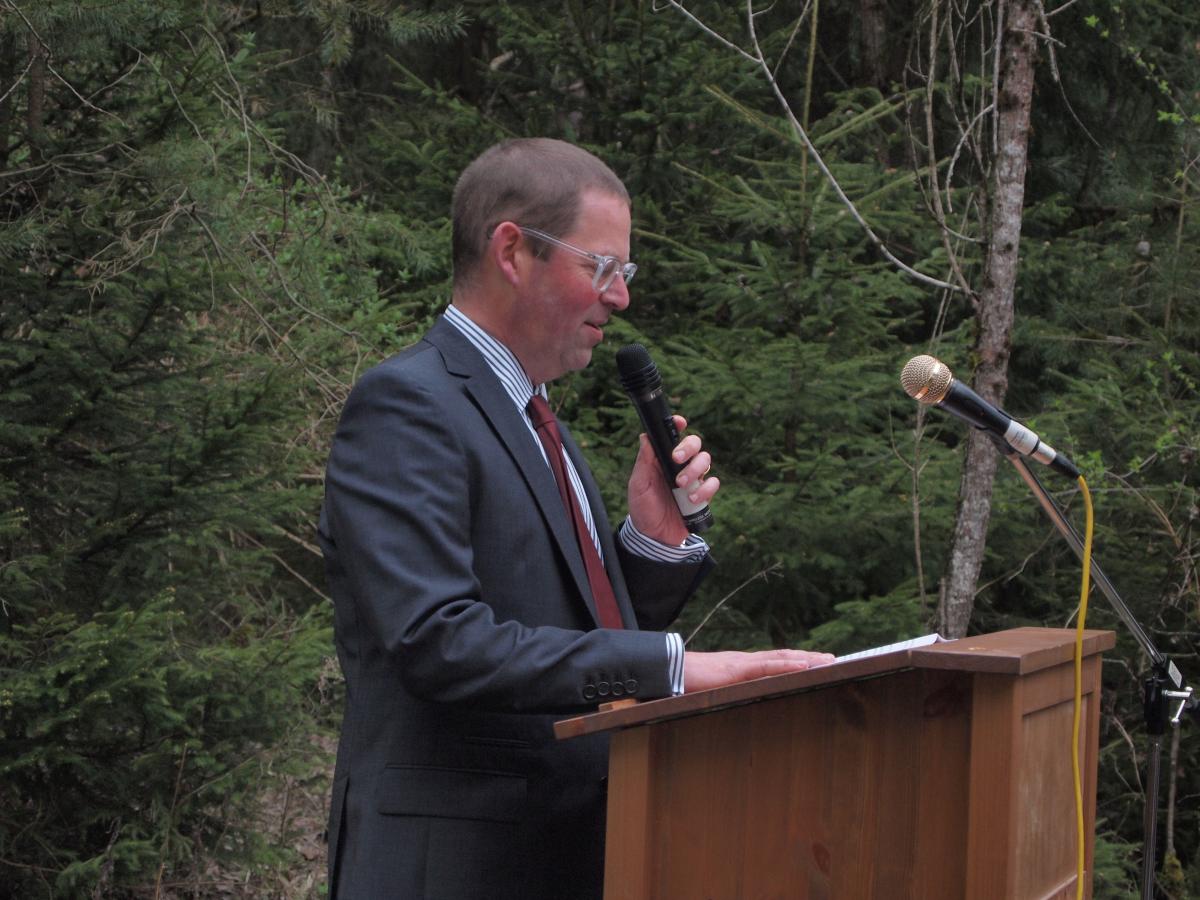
(451, 793)
(502, 743)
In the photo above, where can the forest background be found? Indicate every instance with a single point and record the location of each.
(215, 215)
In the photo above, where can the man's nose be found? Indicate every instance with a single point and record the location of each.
(616, 294)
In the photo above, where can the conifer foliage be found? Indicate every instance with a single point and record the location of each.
(171, 275)
(214, 217)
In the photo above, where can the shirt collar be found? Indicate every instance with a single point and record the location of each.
(503, 363)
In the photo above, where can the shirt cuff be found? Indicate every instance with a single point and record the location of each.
(694, 549)
(675, 663)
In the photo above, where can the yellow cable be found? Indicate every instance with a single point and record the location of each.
(1083, 601)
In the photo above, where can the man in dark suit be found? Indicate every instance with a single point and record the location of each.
(479, 591)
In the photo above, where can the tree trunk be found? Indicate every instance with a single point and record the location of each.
(9, 66)
(36, 110)
(995, 314)
(872, 20)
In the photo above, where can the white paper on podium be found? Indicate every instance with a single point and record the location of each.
(923, 641)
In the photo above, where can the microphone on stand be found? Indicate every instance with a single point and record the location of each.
(928, 381)
(640, 378)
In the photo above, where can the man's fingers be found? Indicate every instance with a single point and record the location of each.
(774, 662)
(686, 448)
(703, 671)
(777, 666)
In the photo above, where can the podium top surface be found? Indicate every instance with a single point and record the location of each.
(1017, 652)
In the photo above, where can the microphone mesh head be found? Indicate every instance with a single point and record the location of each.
(926, 379)
(633, 358)
(637, 370)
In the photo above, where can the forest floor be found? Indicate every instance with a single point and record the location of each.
(290, 816)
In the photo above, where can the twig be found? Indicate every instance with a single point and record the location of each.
(241, 113)
(179, 105)
(774, 567)
(998, 52)
(307, 545)
(935, 192)
(802, 133)
(82, 99)
(162, 852)
(1125, 736)
(714, 35)
(291, 295)
(12, 7)
(17, 83)
(792, 37)
(1057, 10)
(275, 556)
(1050, 44)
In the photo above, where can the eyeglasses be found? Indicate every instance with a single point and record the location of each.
(607, 267)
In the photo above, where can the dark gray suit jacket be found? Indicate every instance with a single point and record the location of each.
(465, 627)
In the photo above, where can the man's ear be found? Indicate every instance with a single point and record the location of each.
(509, 253)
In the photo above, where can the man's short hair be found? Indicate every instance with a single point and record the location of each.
(535, 182)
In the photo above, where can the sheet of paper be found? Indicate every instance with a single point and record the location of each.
(923, 641)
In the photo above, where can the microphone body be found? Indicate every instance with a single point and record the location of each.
(640, 378)
(928, 381)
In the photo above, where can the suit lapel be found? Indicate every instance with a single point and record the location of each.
(508, 422)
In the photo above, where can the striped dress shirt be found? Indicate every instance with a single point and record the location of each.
(520, 390)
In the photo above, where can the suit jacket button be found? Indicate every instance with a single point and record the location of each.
(617, 689)
(631, 686)
(589, 692)
(602, 689)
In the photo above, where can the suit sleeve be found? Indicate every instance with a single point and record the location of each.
(398, 528)
(658, 589)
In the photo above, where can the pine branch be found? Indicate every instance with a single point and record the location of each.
(801, 132)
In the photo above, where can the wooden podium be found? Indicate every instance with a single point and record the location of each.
(942, 772)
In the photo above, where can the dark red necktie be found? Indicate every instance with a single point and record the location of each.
(546, 427)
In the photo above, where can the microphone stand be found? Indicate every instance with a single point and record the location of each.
(1162, 685)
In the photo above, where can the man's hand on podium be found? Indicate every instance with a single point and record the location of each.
(702, 671)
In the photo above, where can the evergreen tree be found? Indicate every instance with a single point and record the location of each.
(178, 291)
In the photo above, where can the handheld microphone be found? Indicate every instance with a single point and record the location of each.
(928, 381)
(640, 378)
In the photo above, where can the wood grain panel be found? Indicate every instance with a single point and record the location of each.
(934, 783)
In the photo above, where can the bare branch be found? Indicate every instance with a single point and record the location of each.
(915, 468)
(714, 35)
(291, 295)
(13, 8)
(135, 248)
(1057, 10)
(82, 99)
(763, 574)
(935, 192)
(997, 53)
(17, 83)
(307, 545)
(323, 379)
(802, 133)
(279, 559)
(112, 84)
(241, 112)
(1050, 42)
(179, 105)
(808, 5)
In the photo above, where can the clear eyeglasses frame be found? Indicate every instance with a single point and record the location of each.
(607, 267)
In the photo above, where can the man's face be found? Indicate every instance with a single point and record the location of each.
(562, 314)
